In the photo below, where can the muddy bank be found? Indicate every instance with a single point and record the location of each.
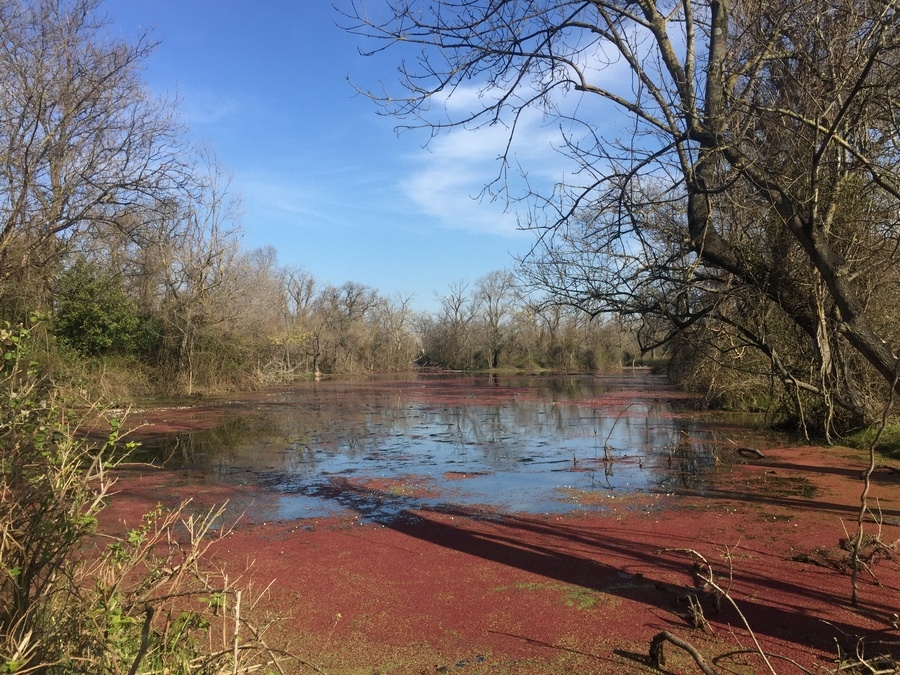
(472, 590)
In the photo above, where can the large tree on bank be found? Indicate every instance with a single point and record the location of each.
(752, 182)
(84, 146)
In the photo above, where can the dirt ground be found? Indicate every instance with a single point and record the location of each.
(470, 591)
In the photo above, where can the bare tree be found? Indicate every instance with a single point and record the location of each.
(82, 141)
(394, 345)
(296, 340)
(495, 295)
(757, 153)
(447, 338)
(300, 286)
(202, 272)
(340, 323)
(260, 304)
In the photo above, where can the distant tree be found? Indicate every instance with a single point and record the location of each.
(300, 286)
(447, 338)
(559, 327)
(200, 283)
(495, 297)
(298, 342)
(394, 345)
(260, 303)
(341, 324)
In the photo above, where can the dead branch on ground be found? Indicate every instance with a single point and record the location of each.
(706, 575)
(657, 656)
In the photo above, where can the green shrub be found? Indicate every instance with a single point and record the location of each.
(94, 316)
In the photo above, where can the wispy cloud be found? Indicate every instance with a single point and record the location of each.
(207, 108)
(448, 182)
(472, 179)
(318, 192)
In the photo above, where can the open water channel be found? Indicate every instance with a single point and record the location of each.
(532, 444)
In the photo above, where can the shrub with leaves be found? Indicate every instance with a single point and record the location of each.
(94, 316)
(149, 602)
(52, 486)
(161, 607)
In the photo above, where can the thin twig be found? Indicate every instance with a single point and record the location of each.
(772, 656)
(712, 582)
(616, 421)
(237, 626)
(863, 498)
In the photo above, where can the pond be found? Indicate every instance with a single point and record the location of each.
(529, 444)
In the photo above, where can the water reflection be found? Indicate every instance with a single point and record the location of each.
(531, 444)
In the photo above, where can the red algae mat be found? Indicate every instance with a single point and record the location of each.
(470, 591)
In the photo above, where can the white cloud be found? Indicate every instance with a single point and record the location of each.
(448, 180)
(460, 163)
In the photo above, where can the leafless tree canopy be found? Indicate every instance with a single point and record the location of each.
(750, 185)
(82, 141)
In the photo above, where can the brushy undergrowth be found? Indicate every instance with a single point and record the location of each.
(888, 442)
(73, 600)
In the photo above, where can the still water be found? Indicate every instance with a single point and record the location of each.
(536, 444)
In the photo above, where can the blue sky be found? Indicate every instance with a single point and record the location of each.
(322, 177)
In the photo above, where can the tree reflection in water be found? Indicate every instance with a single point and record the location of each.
(536, 444)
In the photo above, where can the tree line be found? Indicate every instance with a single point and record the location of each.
(124, 239)
(232, 318)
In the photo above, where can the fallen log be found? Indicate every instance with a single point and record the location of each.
(744, 451)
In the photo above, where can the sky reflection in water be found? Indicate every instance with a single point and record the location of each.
(508, 444)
